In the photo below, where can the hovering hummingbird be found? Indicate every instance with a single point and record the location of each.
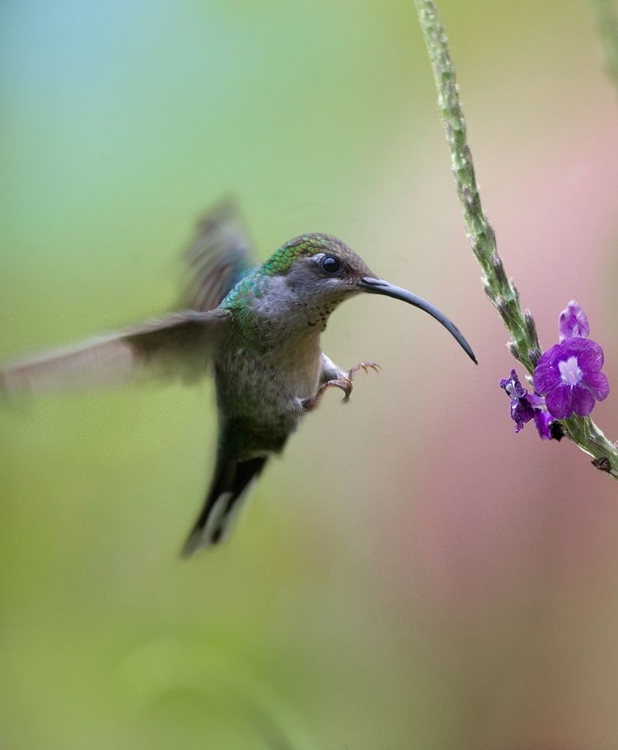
(256, 328)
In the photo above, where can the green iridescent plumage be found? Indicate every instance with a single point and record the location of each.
(305, 245)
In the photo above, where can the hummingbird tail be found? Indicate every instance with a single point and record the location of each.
(228, 490)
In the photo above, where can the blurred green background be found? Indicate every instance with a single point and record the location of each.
(412, 574)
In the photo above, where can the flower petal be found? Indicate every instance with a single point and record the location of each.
(552, 355)
(589, 354)
(512, 386)
(558, 402)
(538, 402)
(521, 412)
(597, 384)
(542, 422)
(582, 401)
(573, 322)
(546, 372)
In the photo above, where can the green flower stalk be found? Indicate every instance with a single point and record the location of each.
(502, 293)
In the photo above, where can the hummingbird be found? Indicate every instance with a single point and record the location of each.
(256, 328)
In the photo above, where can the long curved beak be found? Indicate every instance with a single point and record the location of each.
(379, 286)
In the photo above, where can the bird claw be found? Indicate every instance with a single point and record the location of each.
(344, 383)
(366, 366)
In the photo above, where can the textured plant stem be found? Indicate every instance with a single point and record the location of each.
(606, 19)
(500, 290)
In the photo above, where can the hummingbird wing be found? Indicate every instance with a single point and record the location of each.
(220, 255)
(176, 345)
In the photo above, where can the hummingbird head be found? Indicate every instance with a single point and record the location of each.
(316, 272)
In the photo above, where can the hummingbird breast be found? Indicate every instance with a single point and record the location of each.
(261, 384)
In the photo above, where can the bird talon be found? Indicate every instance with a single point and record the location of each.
(343, 383)
(366, 366)
(346, 386)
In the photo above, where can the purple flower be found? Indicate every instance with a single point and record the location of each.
(526, 406)
(569, 376)
(573, 322)
(567, 379)
(543, 421)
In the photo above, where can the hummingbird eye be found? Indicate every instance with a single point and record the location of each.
(330, 265)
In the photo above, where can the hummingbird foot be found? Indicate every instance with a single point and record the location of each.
(344, 383)
(366, 366)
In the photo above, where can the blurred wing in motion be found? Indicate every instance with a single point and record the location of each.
(177, 345)
(218, 258)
